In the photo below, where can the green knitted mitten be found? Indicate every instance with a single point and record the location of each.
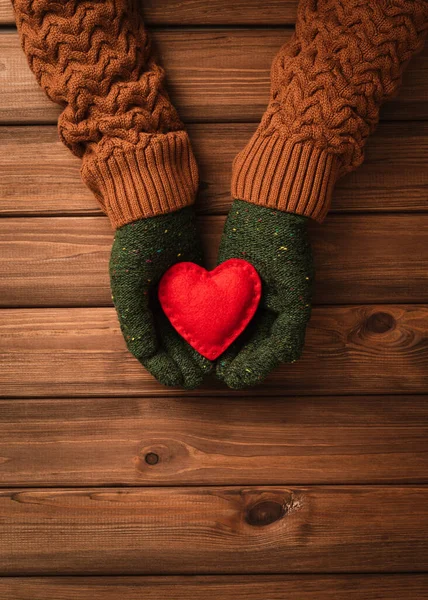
(276, 243)
(141, 253)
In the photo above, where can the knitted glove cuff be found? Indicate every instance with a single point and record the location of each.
(285, 175)
(133, 182)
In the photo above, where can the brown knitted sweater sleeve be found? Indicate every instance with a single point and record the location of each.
(94, 59)
(345, 59)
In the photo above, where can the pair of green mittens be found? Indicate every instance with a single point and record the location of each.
(274, 242)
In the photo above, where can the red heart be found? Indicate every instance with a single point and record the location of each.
(209, 309)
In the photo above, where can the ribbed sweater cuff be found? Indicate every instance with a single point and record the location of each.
(136, 182)
(289, 176)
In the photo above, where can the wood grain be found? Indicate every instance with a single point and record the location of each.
(359, 259)
(229, 587)
(214, 530)
(199, 12)
(214, 75)
(41, 177)
(80, 352)
(205, 441)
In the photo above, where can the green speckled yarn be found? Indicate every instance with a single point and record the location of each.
(141, 253)
(277, 244)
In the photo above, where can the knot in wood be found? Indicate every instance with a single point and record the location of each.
(151, 458)
(380, 322)
(265, 513)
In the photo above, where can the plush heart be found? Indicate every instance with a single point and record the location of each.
(209, 309)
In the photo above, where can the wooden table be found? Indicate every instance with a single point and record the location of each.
(310, 487)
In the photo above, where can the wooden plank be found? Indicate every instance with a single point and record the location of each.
(7, 16)
(41, 177)
(198, 12)
(213, 75)
(80, 352)
(155, 441)
(359, 259)
(229, 587)
(214, 530)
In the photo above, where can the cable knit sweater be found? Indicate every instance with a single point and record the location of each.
(93, 58)
(345, 59)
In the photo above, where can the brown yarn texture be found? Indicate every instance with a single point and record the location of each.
(345, 59)
(94, 59)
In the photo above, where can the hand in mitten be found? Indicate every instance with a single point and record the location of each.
(142, 252)
(277, 245)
